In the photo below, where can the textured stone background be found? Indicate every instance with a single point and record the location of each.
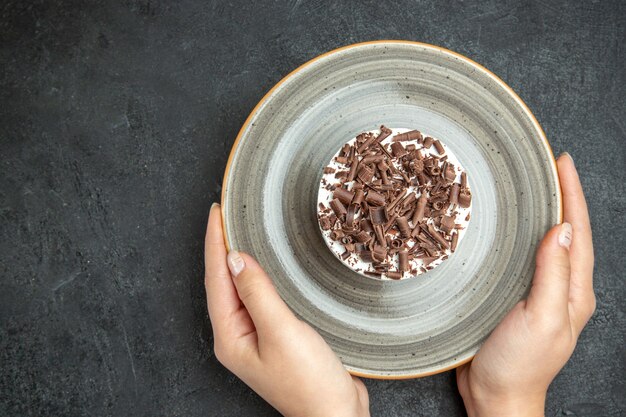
(116, 119)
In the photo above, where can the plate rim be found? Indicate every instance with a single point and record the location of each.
(439, 49)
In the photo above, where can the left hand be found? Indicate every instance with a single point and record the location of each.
(260, 340)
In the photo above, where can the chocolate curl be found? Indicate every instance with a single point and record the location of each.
(396, 243)
(455, 241)
(411, 135)
(434, 170)
(382, 168)
(354, 166)
(403, 260)
(393, 274)
(350, 215)
(435, 235)
(465, 198)
(346, 240)
(398, 150)
(429, 260)
(410, 148)
(345, 255)
(449, 173)
(336, 234)
(380, 234)
(325, 223)
(374, 198)
(362, 236)
(337, 207)
(439, 147)
(372, 159)
(384, 132)
(341, 160)
(383, 177)
(359, 196)
(385, 151)
(396, 200)
(329, 170)
(379, 253)
(343, 195)
(377, 215)
(454, 193)
(416, 166)
(403, 226)
(421, 177)
(447, 224)
(418, 215)
(463, 180)
(428, 142)
(366, 225)
(437, 205)
(366, 256)
(408, 199)
(365, 173)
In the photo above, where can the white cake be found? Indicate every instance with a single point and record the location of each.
(418, 264)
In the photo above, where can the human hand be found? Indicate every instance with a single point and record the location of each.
(260, 340)
(511, 373)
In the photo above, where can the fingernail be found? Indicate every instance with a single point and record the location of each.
(568, 155)
(236, 263)
(214, 205)
(565, 235)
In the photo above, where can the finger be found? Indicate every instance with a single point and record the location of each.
(575, 212)
(222, 300)
(550, 290)
(268, 311)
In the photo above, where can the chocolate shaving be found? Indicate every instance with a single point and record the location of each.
(343, 195)
(447, 224)
(454, 193)
(439, 147)
(337, 207)
(418, 215)
(455, 240)
(366, 225)
(465, 198)
(400, 201)
(394, 274)
(384, 132)
(398, 150)
(411, 135)
(375, 199)
(403, 226)
(403, 261)
(354, 166)
(365, 174)
(377, 215)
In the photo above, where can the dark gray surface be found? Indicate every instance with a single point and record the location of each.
(116, 121)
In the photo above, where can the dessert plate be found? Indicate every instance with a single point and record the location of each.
(414, 327)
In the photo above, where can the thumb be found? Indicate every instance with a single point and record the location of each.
(550, 289)
(257, 293)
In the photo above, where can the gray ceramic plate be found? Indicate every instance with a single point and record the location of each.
(418, 326)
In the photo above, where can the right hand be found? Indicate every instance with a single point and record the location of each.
(511, 373)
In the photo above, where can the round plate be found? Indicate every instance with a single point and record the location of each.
(415, 327)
